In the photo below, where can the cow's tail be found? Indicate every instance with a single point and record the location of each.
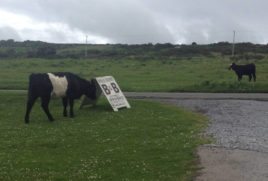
(31, 98)
(30, 85)
(34, 80)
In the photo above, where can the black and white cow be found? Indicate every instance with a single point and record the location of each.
(248, 69)
(66, 85)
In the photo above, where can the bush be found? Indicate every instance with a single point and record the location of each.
(46, 52)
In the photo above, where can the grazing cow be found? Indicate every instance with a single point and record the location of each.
(66, 85)
(248, 69)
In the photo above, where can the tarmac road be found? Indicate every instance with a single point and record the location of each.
(239, 125)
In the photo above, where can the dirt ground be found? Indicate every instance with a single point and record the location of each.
(221, 164)
(240, 129)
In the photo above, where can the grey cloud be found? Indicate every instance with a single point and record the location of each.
(246, 17)
(143, 21)
(9, 33)
(121, 21)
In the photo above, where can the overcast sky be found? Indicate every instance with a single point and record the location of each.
(134, 21)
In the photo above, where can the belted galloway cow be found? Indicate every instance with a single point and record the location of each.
(66, 85)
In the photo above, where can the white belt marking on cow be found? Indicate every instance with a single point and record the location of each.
(59, 85)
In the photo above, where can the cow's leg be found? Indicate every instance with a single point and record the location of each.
(254, 77)
(65, 104)
(71, 101)
(249, 77)
(30, 103)
(239, 77)
(44, 103)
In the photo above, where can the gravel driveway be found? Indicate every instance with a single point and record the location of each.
(240, 129)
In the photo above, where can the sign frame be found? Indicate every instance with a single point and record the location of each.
(109, 87)
(112, 92)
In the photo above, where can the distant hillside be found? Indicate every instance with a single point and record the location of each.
(38, 49)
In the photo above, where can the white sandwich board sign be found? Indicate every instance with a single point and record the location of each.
(109, 87)
(112, 92)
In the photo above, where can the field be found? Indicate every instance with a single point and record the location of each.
(148, 142)
(199, 74)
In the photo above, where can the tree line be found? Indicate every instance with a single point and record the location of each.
(39, 49)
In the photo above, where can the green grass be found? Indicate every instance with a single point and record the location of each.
(150, 141)
(180, 75)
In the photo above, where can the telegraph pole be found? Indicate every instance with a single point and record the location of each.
(86, 48)
(233, 48)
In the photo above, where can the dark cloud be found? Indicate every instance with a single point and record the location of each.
(143, 21)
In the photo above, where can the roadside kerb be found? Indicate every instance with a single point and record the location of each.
(213, 96)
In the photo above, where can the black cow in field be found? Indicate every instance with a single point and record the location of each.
(248, 69)
(66, 85)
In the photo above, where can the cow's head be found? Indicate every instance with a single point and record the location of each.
(91, 91)
(232, 66)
